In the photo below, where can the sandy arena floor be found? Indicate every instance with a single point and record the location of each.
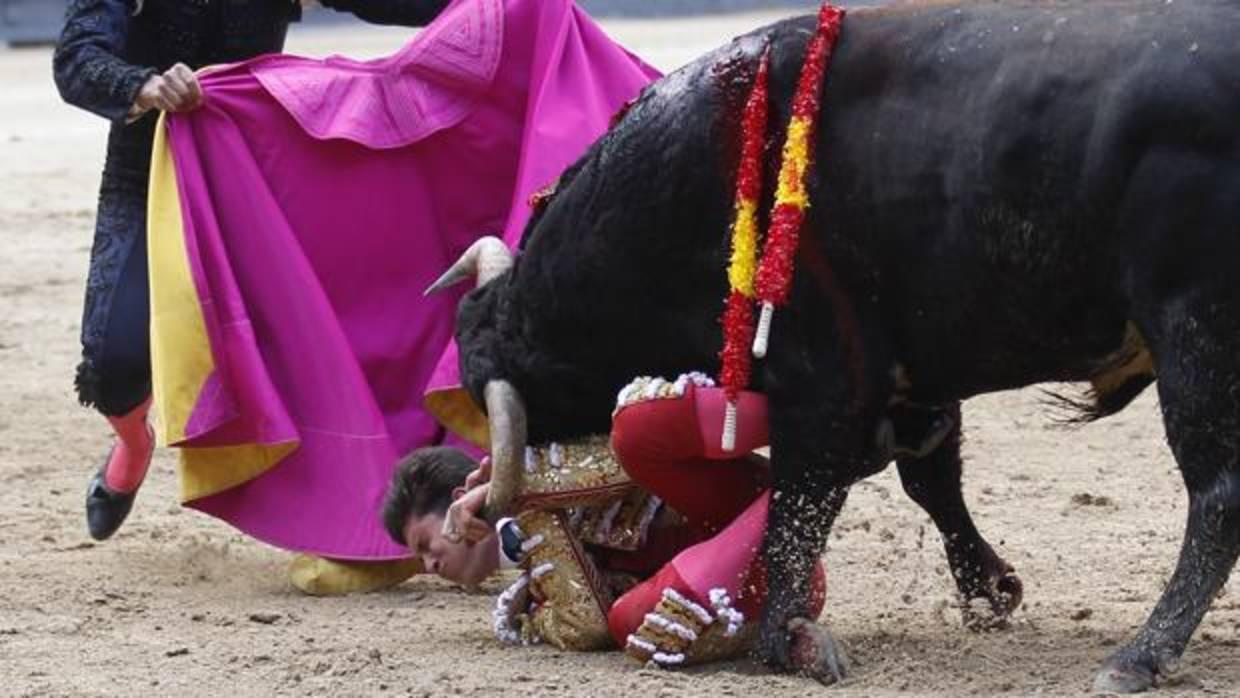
(181, 605)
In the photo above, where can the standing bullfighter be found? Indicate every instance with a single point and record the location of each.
(126, 60)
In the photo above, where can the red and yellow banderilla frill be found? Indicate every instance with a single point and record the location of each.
(774, 279)
(770, 282)
(738, 313)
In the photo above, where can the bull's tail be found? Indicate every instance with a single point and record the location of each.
(1118, 381)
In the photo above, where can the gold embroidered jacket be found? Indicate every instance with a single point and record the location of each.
(575, 496)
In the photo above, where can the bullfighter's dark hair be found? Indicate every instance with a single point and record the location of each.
(422, 484)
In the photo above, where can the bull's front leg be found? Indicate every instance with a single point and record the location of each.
(812, 468)
(930, 471)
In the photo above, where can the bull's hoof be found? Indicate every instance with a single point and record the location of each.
(1121, 677)
(815, 653)
(992, 607)
(773, 646)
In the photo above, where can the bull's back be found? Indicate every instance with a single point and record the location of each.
(988, 173)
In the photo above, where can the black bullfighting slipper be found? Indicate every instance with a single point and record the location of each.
(106, 510)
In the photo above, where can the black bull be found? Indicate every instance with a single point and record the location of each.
(1006, 194)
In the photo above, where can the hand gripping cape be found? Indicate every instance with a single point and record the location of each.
(295, 220)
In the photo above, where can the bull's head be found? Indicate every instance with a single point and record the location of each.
(620, 274)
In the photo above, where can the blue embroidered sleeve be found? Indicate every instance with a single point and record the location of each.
(410, 13)
(87, 65)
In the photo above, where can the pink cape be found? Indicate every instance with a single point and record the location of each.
(317, 200)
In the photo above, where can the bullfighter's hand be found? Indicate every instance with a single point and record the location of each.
(480, 475)
(462, 521)
(176, 90)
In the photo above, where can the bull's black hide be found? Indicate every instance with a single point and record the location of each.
(1007, 193)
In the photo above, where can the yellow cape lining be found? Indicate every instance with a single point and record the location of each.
(181, 358)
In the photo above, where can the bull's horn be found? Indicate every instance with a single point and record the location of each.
(506, 415)
(486, 259)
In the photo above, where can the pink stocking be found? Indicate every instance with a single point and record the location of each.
(731, 560)
(724, 561)
(131, 456)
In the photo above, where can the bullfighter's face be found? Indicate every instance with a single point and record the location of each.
(458, 562)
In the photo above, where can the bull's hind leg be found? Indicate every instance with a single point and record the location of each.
(1197, 354)
(988, 587)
